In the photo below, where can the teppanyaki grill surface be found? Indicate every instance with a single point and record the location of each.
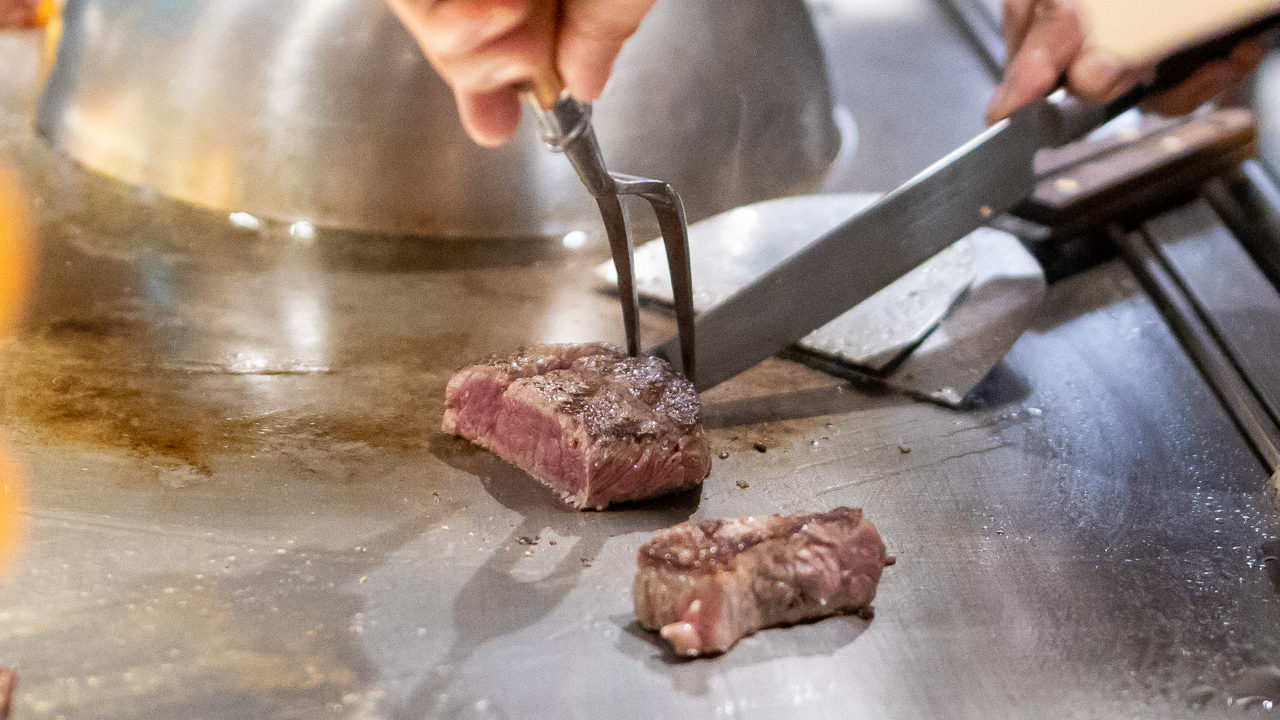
(236, 503)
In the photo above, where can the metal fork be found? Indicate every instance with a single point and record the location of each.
(566, 127)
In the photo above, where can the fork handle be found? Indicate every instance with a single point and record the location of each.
(544, 89)
(561, 119)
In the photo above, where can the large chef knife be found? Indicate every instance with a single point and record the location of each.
(965, 190)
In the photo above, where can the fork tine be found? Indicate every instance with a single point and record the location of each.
(669, 210)
(675, 238)
(615, 226)
(565, 125)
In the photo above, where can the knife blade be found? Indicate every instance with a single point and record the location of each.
(982, 179)
(968, 188)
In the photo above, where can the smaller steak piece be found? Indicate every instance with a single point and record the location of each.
(703, 586)
(594, 425)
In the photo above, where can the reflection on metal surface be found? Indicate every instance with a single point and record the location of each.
(732, 249)
(326, 110)
(1266, 103)
(244, 220)
(1203, 345)
(1007, 291)
(303, 230)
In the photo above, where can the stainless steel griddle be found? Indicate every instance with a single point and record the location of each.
(239, 504)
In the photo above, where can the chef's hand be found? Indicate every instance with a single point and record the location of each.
(483, 48)
(1045, 40)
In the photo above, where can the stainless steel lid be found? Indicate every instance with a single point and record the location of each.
(325, 110)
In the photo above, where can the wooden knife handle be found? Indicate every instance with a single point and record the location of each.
(1084, 186)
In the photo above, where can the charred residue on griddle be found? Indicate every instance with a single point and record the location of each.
(904, 449)
(742, 484)
(363, 252)
(98, 381)
(81, 381)
(528, 539)
(760, 447)
(102, 326)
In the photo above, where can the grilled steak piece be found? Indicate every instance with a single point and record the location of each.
(705, 585)
(594, 425)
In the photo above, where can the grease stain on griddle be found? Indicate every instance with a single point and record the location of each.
(100, 381)
(78, 380)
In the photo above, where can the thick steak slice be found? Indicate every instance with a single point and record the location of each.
(705, 585)
(594, 425)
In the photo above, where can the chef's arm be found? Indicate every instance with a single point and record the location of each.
(1046, 41)
(484, 48)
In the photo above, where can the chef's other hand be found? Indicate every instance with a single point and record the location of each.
(484, 48)
(1045, 40)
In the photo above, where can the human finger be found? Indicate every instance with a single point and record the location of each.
(1054, 39)
(1207, 82)
(591, 34)
(452, 27)
(489, 117)
(1017, 21)
(1097, 78)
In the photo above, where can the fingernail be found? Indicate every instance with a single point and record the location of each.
(996, 110)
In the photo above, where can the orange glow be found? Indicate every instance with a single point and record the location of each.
(15, 251)
(49, 17)
(47, 11)
(15, 276)
(12, 501)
